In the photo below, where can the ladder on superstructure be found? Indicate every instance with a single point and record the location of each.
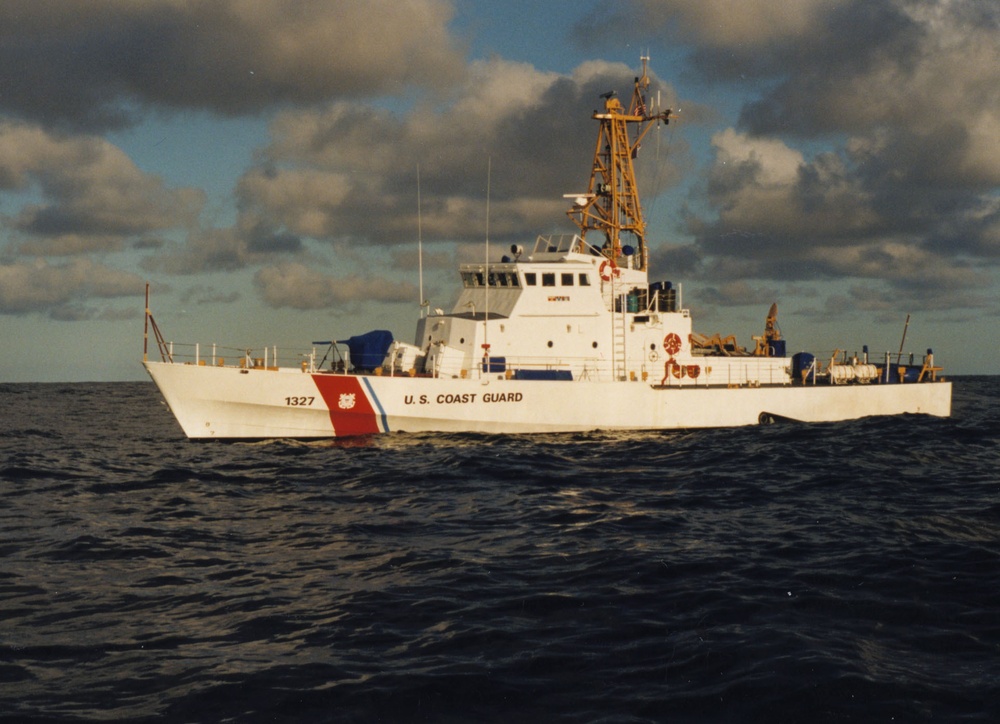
(618, 348)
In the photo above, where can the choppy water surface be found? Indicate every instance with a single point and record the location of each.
(830, 572)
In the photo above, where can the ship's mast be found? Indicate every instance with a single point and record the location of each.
(611, 204)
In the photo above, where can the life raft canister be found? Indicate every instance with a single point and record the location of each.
(672, 368)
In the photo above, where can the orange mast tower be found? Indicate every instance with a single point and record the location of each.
(611, 204)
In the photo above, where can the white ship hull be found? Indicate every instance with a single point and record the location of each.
(232, 403)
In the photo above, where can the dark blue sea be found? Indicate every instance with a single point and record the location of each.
(783, 573)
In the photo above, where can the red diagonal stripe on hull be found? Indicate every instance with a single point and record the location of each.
(351, 413)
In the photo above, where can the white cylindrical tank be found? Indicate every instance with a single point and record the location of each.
(841, 374)
(865, 373)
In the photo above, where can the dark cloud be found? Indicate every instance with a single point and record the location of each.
(225, 249)
(783, 216)
(91, 196)
(904, 94)
(97, 64)
(61, 290)
(680, 260)
(736, 294)
(350, 171)
(262, 239)
(211, 250)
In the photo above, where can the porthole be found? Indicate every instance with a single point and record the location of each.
(594, 345)
(550, 343)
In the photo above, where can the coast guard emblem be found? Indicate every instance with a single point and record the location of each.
(346, 401)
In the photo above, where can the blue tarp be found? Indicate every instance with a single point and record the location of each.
(368, 350)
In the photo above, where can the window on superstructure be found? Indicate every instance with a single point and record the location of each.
(530, 279)
(468, 280)
(584, 280)
(514, 281)
(548, 280)
(567, 280)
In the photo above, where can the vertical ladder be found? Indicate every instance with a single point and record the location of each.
(618, 350)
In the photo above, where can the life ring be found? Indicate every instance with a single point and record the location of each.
(672, 343)
(606, 276)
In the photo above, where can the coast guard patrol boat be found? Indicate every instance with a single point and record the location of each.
(565, 334)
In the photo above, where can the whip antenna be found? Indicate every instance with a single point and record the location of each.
(420, 249)
(486, 319)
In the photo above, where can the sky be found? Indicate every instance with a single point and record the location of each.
(269, 166)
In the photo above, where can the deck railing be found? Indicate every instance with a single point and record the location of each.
(711, 370)
(215, 355)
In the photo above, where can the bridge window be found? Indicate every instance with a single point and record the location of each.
(507, 279)
(530, 279)
(584, 280)
(548, 280)
(473, 279)
(567, 280)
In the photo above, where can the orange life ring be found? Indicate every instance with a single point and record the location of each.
(672, 343)
(615, 271)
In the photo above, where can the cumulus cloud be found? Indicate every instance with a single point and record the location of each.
(904, 94)
(62, 290)
(206, 250)
(723, 23)
(737, 293)
(96, 64)
(91, 196)
(923, 74)
(928, 84)
(781, 216)
(350, 171)
(297, 286)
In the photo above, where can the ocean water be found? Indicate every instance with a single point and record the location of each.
(787, 573)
